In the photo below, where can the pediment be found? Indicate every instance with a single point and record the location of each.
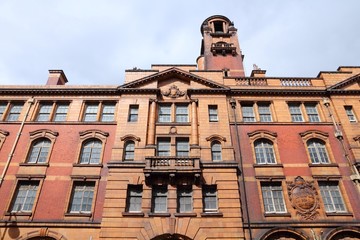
(349, 84)
(170, 79)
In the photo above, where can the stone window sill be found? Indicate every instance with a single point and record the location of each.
(277, 215)
(18, 214)
(211, 214)
(185, 214)
(34, 164)
(87, 165)
(78, 214)
(133, 214)
(345, 214)
(159, 214)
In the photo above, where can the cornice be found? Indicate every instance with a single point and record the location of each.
(58, 91)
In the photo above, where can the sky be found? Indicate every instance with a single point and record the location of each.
(95, 41)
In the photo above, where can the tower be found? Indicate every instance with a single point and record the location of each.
(220, 49)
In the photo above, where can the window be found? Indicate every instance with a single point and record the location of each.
(248, 113)
(182, 147)
(39, 151)
(91, 151)
(350, 113)
(264, 112)
(184, 198)
(210, 201)
(82, 197)
(216, 151)
(164, 113)
(129, 151)
(264, 151)
(134, 197)
(331, 197)
(317, 151)
(273, 198)
(133, 113)
(14, 113)
(159, 199)
(104, 112)
(181, 113)
(311, 112)
(218, 26)
(213, 113)
(295, 112)
(163, 147)
(2, 109)
(52, 112)
(24, 197)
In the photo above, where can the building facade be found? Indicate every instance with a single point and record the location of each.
(197, 151)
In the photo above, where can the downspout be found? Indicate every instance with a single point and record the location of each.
(233, 106)
(30, 102)
(355, 177)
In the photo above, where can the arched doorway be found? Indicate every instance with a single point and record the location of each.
(344, 234)
(171, 237)
(42, 238)
(283, 234)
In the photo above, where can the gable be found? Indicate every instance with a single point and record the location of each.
(350, 84)
(173, 76)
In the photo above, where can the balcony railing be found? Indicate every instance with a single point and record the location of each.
(251, 81)
(172, 164)
(289, 82)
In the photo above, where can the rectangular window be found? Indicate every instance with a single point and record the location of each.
(248, 113)
(164, 113)
(210, 201)
(14, 113)
(273, 198)
(25, 196)
(94, 112)
(182, 113)
(108, 112)
(295, 112)
(331, 197)
(61, 112)
(182, 147)
(264, 112)
(82, 197)
(2, 109)
(44, 112)
(213, 113)
(163, 147)
(133, 113)
(350, 113)
(312, 112)
(184, 198)
(159, 199)
(134, 197)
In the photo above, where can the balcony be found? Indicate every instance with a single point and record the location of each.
(251, 81)
(223, 48)
(172, 165)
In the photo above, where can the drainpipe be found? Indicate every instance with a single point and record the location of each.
(11, 154)
(233, 106)
(355, 177)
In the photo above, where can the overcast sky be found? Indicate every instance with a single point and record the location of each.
(94, 41)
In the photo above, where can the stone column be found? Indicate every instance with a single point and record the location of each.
(194, 123)
(152, 120)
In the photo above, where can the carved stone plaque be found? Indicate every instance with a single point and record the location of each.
(303, 197)
(173, 92)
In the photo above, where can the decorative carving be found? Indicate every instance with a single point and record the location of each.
(173, 92)
(304, 198)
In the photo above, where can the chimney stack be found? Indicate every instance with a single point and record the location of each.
(56, 77)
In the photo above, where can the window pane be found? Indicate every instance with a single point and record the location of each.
(2, 109)
(61, 112)
(159, 200)
(184, 199)
(331, 197)
(164, 113)
(182, 114)
(163, 147)
(317, 151)
(91, 113)
(14, 113)
(44, 112)
(264, 152)
(209, 198)
(264, 112)
(82, 197)
(248, 113)
(295, 111)
(216, 151)
(129, 150)
(108, 113)
(273, 198)
(312, 113)
(133, 113)
(134, 198)
(25, 196)
(213, 113)
(350, 113)
(91, 151)
(182, 148)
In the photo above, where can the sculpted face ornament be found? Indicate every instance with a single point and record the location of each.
(173, 92)
(303, 197)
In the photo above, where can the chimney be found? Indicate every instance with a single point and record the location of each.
(56, 77)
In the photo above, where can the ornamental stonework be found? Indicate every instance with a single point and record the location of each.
(173, 92)
(304, 198)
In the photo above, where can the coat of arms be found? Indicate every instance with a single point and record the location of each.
(303, 197)
(173, 92)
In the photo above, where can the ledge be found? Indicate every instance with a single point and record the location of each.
(122, 164)
(78, 214)
(277, 215)
(344, 214)
(18, 214)
(323, 165)
(87, 165)
(159, 214)
(34, 164)
(133, 214)
(185, 214)
(173, 124)
(220, 164)
(268, 165)
(211, 214)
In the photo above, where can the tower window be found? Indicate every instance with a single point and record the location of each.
(218, 26)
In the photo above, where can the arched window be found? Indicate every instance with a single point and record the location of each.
(129, 151)
(317, 151)
(264, 151)
(39, 151)
(91, 152)
(216, 151)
